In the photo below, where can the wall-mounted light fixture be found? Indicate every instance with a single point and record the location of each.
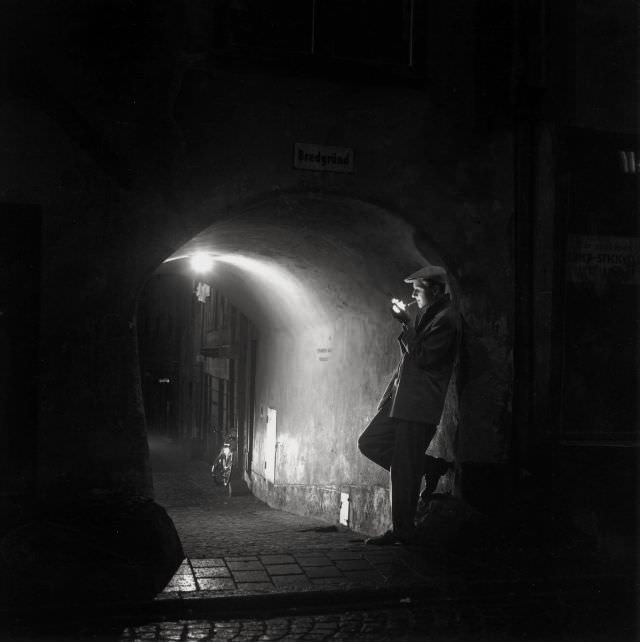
(201, 262)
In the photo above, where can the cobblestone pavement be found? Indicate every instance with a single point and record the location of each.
(212, 523)
(235, 545)
(361, 625)
(538, 620)
(441, 623)
(252, 573)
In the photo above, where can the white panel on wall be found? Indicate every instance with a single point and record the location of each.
(270, 447)
(344, 509)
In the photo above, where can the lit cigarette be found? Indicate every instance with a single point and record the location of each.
(401, 304)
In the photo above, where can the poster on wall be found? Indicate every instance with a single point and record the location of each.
(607, 259)
(599, 383)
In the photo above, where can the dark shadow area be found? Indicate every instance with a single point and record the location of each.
(20, 298)
(89, 551)
(497, 139)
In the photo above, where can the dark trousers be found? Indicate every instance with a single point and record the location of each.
(398, 446)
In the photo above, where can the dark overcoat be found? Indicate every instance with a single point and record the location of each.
(429, 346)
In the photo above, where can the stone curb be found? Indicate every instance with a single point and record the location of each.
(221, 607)
(274, 604)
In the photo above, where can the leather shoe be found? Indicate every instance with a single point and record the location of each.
(386, 539)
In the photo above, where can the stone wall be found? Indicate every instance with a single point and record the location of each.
(351, 239)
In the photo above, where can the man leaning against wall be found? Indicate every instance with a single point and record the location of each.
(411, 406)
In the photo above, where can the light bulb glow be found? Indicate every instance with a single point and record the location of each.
(201, 262)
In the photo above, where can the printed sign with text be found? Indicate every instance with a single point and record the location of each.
(604, 258)
(322, 158)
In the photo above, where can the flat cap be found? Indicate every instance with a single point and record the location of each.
(428, 273)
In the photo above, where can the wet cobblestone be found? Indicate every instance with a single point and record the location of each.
(539, 620)
(237, 546)
(256, 549)
(212, 523)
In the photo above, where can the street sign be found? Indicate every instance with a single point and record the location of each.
(321, 158)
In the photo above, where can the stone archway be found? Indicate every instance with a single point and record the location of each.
(314, 273)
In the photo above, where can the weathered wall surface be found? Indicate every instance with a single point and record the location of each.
(91, 423)
(129, 168)
(348, 240)
(133, 142)
(100, 243)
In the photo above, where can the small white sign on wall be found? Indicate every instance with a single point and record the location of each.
(344, 509)
(322, 158)
(270, 446)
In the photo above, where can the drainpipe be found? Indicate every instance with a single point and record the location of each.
(528, 84)
(523, 259)
(411, 26)
(314, 9)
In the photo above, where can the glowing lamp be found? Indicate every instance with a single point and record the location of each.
(201, 262)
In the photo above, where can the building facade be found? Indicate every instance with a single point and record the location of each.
(197, 361)
(499, 139)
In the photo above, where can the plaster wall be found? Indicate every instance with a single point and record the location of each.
(134, 150)
(322, 406)
(334, 249)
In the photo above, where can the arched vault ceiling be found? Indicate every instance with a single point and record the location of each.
(299, 260)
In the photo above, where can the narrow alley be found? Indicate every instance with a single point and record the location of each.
(252, 573)
(255, 573)
(378, 259)
(237, 544)
(212, 522)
